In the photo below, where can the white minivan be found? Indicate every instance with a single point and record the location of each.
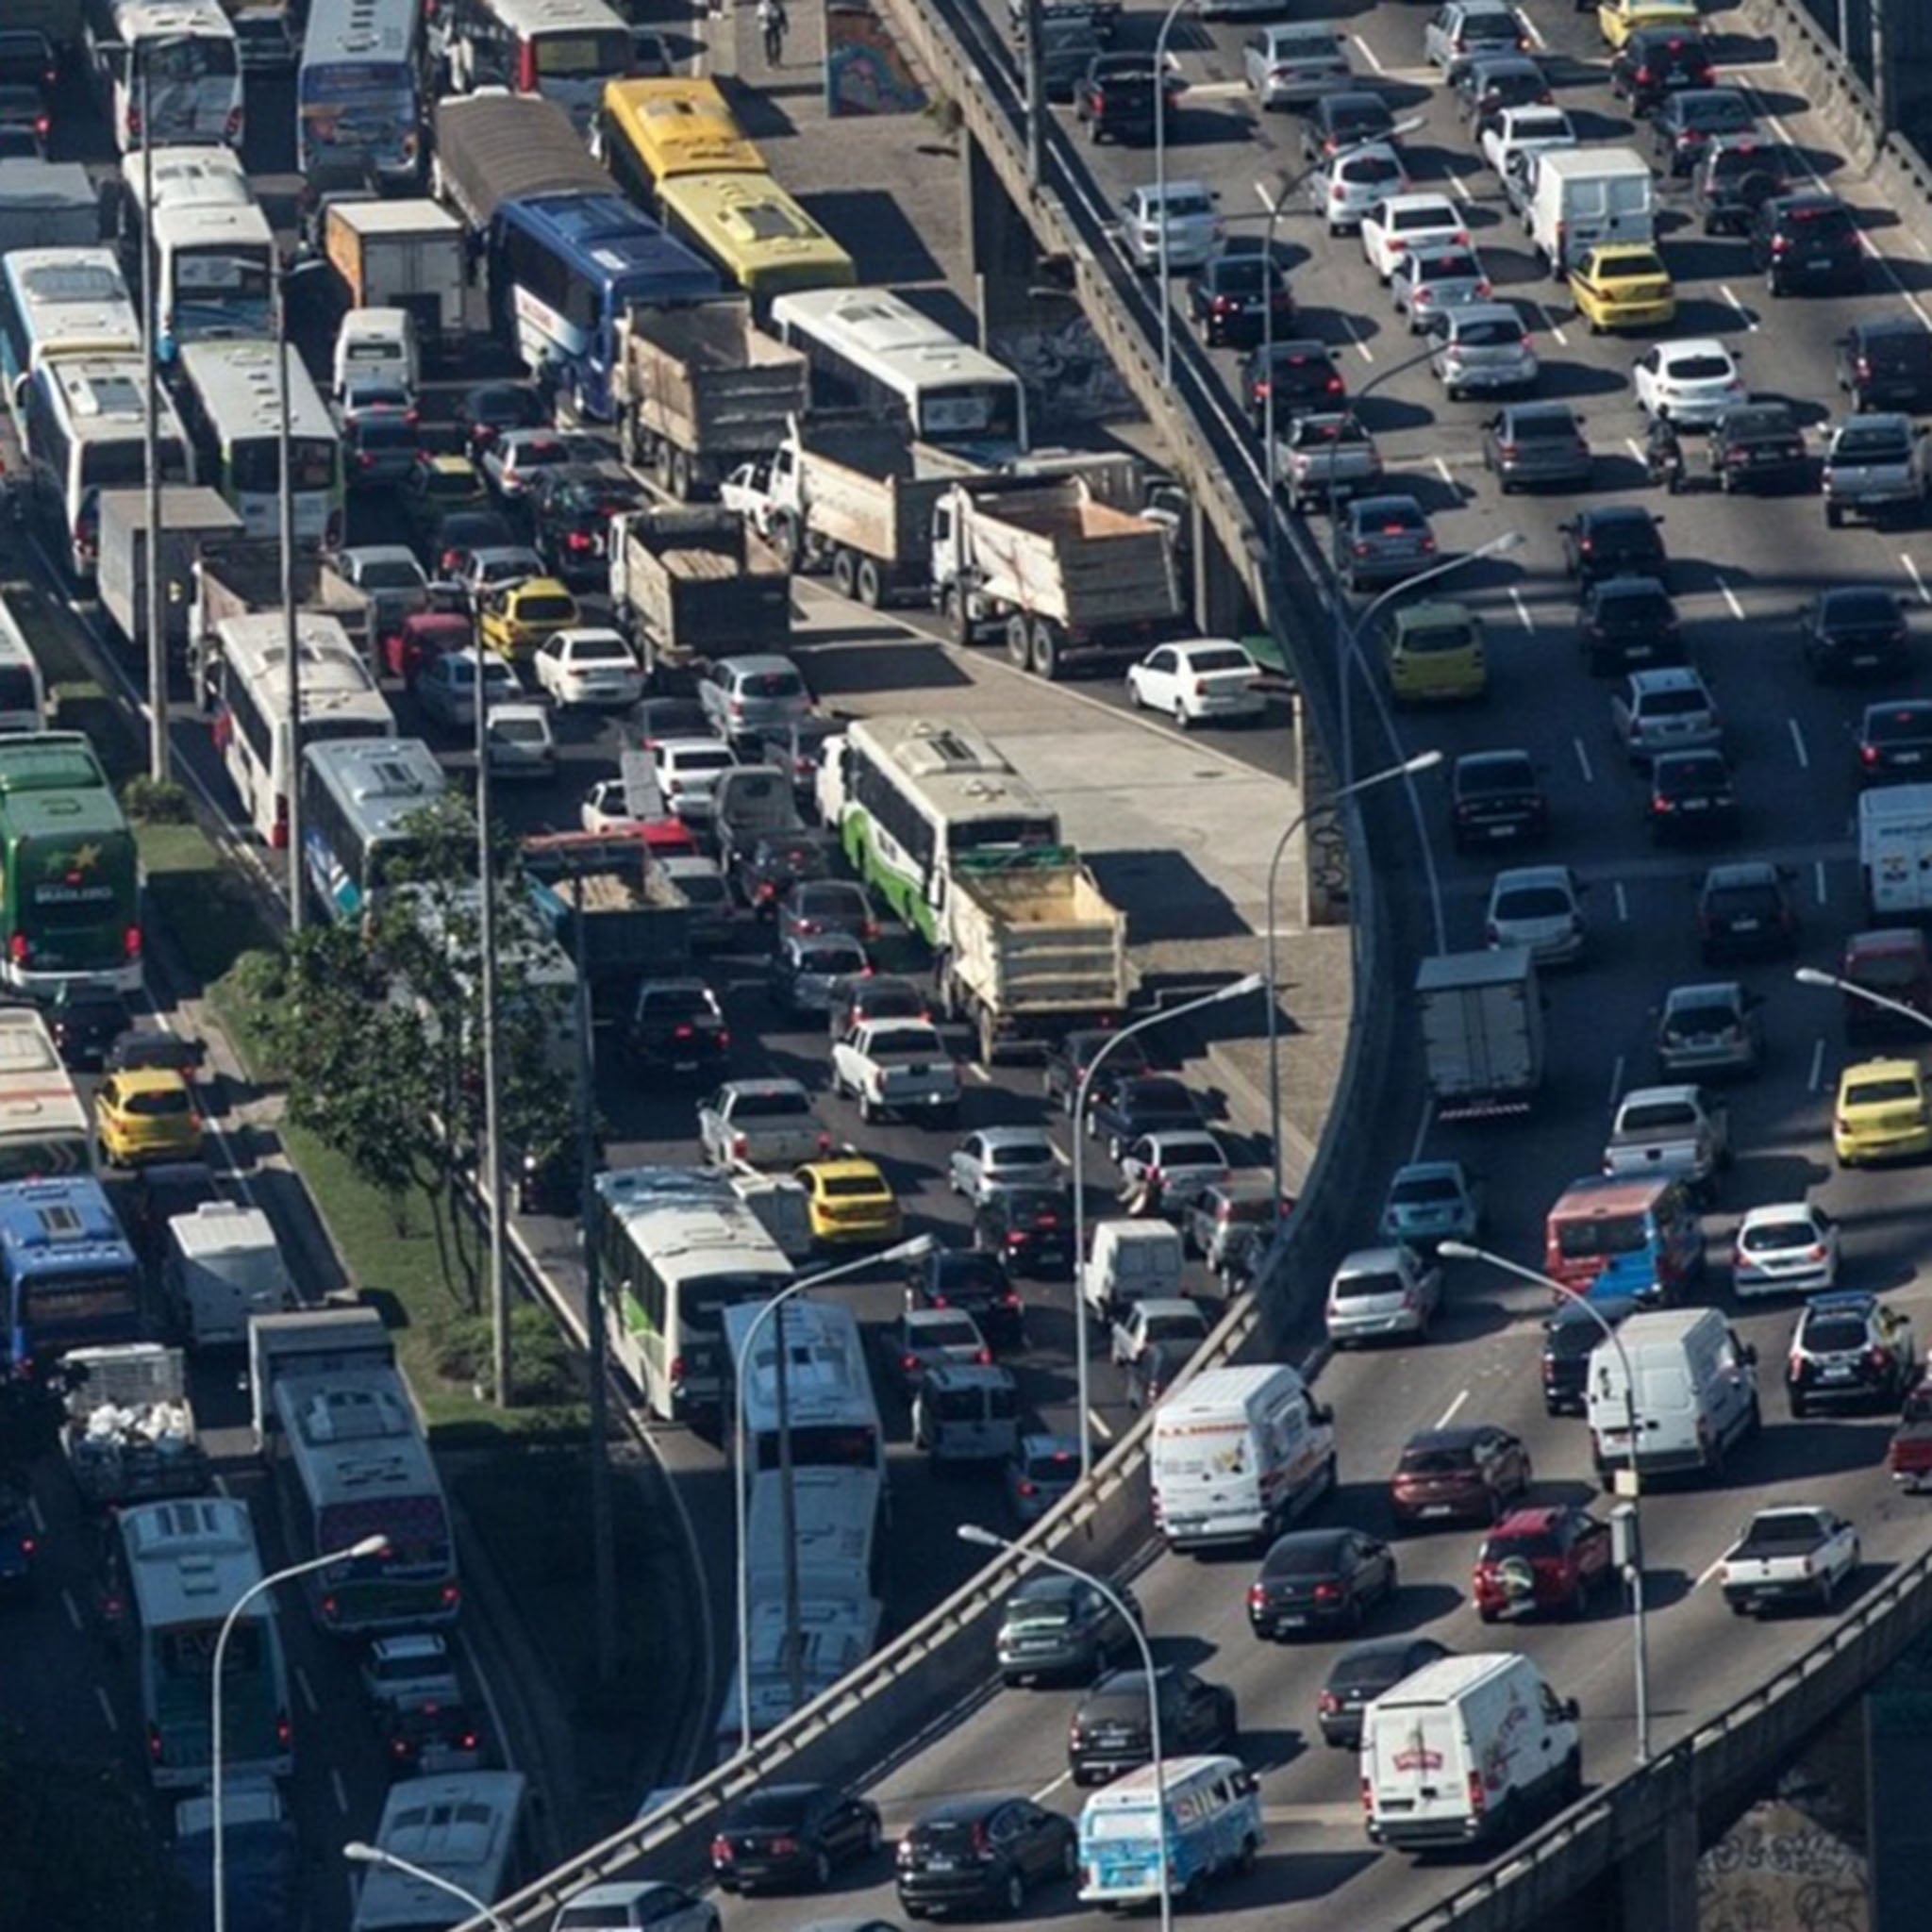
(1587, 197)
(966, 1413)
(1213, 1824)
(1130, 1261)
(377, 342)
(1696, 1394)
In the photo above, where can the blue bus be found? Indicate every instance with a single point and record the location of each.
(70, 1275)
(357, 91)
(565, 268)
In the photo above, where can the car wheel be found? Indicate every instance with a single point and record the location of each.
(871, 1837)
(822, 1870)
(1016, 1894)
(1069, 1858)
(1181, 719)
(1135, 696)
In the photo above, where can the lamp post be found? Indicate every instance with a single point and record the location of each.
(291, 633)
(1423, 761)
(1173, 14)
(972, 1533)
(1234, 990)
(490, 1165)
(1633, 1481)
(360, 1853)
(368, 1546)
(1811, 976)
(916, 1249)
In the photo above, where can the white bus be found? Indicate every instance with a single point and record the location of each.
(45, 1128)
(673, 1256)
(186, 1564)
(564, 50)
(915, 795)
(84, 421)
(870, 349)
(357, 91)
(214, 275)
(60, 302)
(23, 685)
(358, 797)
(467, 1826)
(832, 1415)
(201, 176)
(230, 403)
(186, 52)
(338, 700)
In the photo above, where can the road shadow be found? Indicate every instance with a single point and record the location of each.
(1166, 895)
(912, 663)
(1564, 382)
(1272, 1750)
(1788, 1451)
(755, 108)
(884, 244)
(1283, 1879)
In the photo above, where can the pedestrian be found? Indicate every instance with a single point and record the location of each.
(773, 21)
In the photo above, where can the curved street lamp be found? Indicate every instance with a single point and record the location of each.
(360, 1853)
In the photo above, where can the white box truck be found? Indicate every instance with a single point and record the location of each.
(409, 254)
(1482, 1017)
(1586, 196)
(1895, 851)
(193, 518)
(223, 1266)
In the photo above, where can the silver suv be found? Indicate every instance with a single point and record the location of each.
(1665, 710)
(1874, 464)
(1713, 1027)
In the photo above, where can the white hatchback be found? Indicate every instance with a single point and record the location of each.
(1671, 709)
(1539, 906)
(1789, 1247)
(1193, 221)
(1344, 191)
(519, 741)
(688, 770)
(1398, 223)
(1203, 679)
(1693, 383)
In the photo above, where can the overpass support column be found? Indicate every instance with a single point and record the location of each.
(1223, 608)
(1657, 1881)
(1000, 244)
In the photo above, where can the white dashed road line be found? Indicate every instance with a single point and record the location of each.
(1617, 1080)
(1583, 760)
(340, 1790)
(1744, 314)
(307, 1690)
(1730, 597)
(1623, 903)
(1443, 470)
(1370, 55)
(107, 1708)
(1918, 582)
(1818, 879)
(1550, 323)
(72, 1608)
(1523, 616)
(1100, 1425)
(1817, 1066)
(1449, 1414)
(1798, 744)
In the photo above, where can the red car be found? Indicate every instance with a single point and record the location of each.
(420, 638)
(1471, 1472)
(1548, 1558)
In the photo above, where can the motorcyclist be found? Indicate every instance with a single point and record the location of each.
(1663, 453)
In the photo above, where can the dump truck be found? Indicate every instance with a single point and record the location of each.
(1482, 1017)
(192, 518)
(496, 147)
(129, 1431)
(688, 584)
(1027, 949)
(243, 577)
(699, 389)
(1055, 570)
(410, 254)
(635, 918)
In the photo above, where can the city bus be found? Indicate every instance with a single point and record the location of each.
(231, 408)
(357, 91)
(565, 50)
(84, 421)
(70, 1275)
(470, 1828)
(673, 1257)
(340, 700)
(870, 349)
(184, 1565)
(46, 1133)
(70, 890)
(830, 1411)
(202, 176)
(359, 798)
(564, 269)
(649, 131)
(917, 795)
(22, 685)
(60, 302)
(214, 275)
(184, 51)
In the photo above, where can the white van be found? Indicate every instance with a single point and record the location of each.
(377, 342)
(1465, 1751)
(1585, 196)
(223, 1266)
(1895, 850)
(1130, 1261)
(966, 1413)
(1237, 1454)
(1696, 1393)
(1213, 1824)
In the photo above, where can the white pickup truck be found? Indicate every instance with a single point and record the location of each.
(761, 1124)
(1793, 1552)
(897, 1067)
(1679, 1132)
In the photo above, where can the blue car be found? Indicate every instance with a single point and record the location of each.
(1433, 1201)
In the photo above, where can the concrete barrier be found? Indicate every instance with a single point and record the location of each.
(1812, 58)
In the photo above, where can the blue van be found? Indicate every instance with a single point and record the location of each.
(1213, 1826)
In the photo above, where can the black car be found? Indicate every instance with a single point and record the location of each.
(1690, 119)
(1488, 84)
(677, 1026)
(1301, 373)
(1746, 911)
(763, 871)
(874, 996)
(1849, 1347)
(1691, 795)
(19, 1540)
(1230, 296)
(983, 1854)
(1496, 798)
(811, 906)
(570, 507)
(1067, 51)
(1884, 362)
(1614, 540)
(1069, 1057)
(1060, 1626)
(458, 531)
(139, 1047)
(430, 1738)
(24, 123)
(86, 1022)
(1345, 119)
(1853, 629)
(796, 747)
(486, 411)
(1755, 444)
(28, 59)
(1114, 99)
(1314, 1580)
(1895, 742)
(1808, 244)
(1624, 624)
(1362, 1673)
(1570, 1339)
(977, 1285)
(1109, 1732)
(1736, 175)
(1030, 1229)
(792, 1836)
(1145, 1104)
(1656, 61)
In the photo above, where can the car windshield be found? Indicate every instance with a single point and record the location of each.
(1743, 902)
(1532, 1543)
(1887, 1093)
(851, 1187)
(1497, 774)
(1907, 723)
(1489, 333)
(1835, 1334)
(1451, 265)
(1582, 1237)
(1624, 268)
(1315, 1556)
(1489, 26)
(1527, 426)
(1391, 520)
(774, 1104)
(1238, 276)
(1698, 368)
(676, 1002)
(1720, 114)
(1678, 775)
(1371, 170)
(1649, 608)
(1775, 163)
(1052, 1465)
(1020, 1153)
(1656, 1116)
(1854, 608)
(1039, 1614)
(1424, 1190)
(1404, 221)
(1370, 1283)
(391, 573)
(599, 651)
(1815, 225)
(156, 1103)
(547, 607)
(1438, 1460)
(1677, 702)
(1693, 1021)
(702, 760)
(771, 1808)
(1533, 902)
(832, 957)
(1890, 969)
(945, 1331)
(1766, 1236)
(1757, 422)
(1232, 658)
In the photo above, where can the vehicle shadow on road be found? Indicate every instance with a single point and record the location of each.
(1787, 1451)
(1272, 1750)
(1284, 1879)
(881, 663)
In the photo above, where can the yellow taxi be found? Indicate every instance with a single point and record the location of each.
(439, 484)
(148, 1113)
(1623, 285)
(516, 619)
(1881, 1113)
(1617, 19)
(1434, 654)
(850, 1201)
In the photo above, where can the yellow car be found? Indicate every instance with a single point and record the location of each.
(1881, 1113)
(147, 1114)
(850, 1201)
(517, 618)
(1434, 653)
(1617, 19)
(1623, 285)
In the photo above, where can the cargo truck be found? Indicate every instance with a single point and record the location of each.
(222, 1267)
(192, 518)
(341, 1338)
(130, 1432)
(687, 584)
(699, 389)
(1482, 1017)
(409, 254)
(634, 920)
(243, 577)
(1059, 574)
(496, 147)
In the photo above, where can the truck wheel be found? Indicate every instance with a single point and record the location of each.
(786, 540)
(989, 1041)
(1046, 651)
(868, 1111)
(1017, 641)
(660, 464)
(844, 573)
(872, 583)
(959, 615)
(680, 475)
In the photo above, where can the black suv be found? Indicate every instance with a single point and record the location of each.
(984, 1853)
(1758, 442)
(1853, 628)
(1625, 624)
(485, 412)
(1146, 1103)
(1570, 1339)
(1746, 911)
(1301, 373)
(1068, 1058)
(1495, 797)
(1346, 119)
(1657, 62)
(1614, 540)
(975, 1284)
(1060, 1626)
(1067, 49)
(1360, 1675)
(1029, 1229)
(86, 1022)
(1849, 1347)
(570, 509)
(1808, 242)
(1229, 298)
(676, 1027)
(1109, 1731)
(763, 871)
(1736, 175)
(1884, 362)
(1895, 742)
(1692, 797)
(1114, 99)
(1688, 122)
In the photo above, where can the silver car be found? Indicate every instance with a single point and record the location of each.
(1040, 1472)
(1710, 1028)
(1002, 1158)
(1344, 191)
(1384, 539)
(1174, 1167)
(1380, 1292)
(1482, 348)
(755, 693)
(1193, 223)
(1536, 443)
(390, 577)
(1295, 62)
(1430, 280)
(1539, 906)
(1665, 710)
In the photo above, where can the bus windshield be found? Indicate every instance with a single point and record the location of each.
(175, 57)
(221, 288)
(253, 466)
(119, 465)
(577, 55)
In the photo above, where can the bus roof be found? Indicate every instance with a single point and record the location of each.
(555, 16)
(104, 395)
(69, 1213)
(827, 1381)
(38, 1096)
(681, 124)
(462, 1826)
(236, 383)
(49, 761)
(208, 175)
(80, 814)
(354, 1437)
(953, 767)
(190, 224)
(605, 232)
(135, 17)
(189, 1561)
(67, 275)
(358, 31)
(688, 1232)
(377, 781)
(764, 240)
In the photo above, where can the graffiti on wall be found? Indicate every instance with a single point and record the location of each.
(1068, 376)
(865, 73)
(1778, 1869)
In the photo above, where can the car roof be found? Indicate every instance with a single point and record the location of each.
(1007, 1137)
(1370, 1260)
(1686, 346)
(1476, 761)
(846, 1166)
(1665, 678)
(1530, 1521)
(1778, 1210)
(972, 1805)
(1047, 1585)
(1515, 876)
(1742, 872)
(1890, 326)
(1887, 938)
(1888, 1069)
(1703, 991)
(776, 1084)
(1463, 1436)
(755, 663)
(1428, 1170)
(150, 1079)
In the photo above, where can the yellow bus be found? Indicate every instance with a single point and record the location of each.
(756, 233)
(651, 131)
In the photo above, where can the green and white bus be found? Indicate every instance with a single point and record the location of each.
(69, 897)
(912, 796)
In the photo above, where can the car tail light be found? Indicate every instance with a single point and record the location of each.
(134, 123)
(825, 1144)
(130, 943)
(284, 1730)
(1478, 1803)
(153, 1743)
(1780, 243)
(1641, 76)
(1506, 449)
(1257, 1596)
(279, 836)
(231, 128)
(1428, 546)
(721, 1851)
(578, 541)
(40, 125)
(1327, 1593)
(1028, 1487)
(1796, 1365)
(1223, 304)
(1017, 1239)
(984, 1357)
(1876, 1358)
(1008, 1300)
(908, 1364)
(365, 459)
(740, 1145)
(1368, 1795)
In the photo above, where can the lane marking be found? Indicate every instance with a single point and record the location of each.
(1530, 28)
(1918, 582)
(1623, 903)
(221, 1486)
(1617, 1080)
(1551, 323)
(1817, 1064)
(977, 1072)
(1523, 616)
(33, 1510)
(1717, 1563)
(307, 1690)
(1262, 196)
(1583, 759)
(1369, 54)
(1635, 448)
(1744, 315)
(1443, 471)
(342, 1791)
(1098, 1423)
(1798, 744)
(107, 1708)
(72, 1608)
(1730, 597)
(1818, 868)
(1368, 355)
(1456, 182)
(1045, 1792)
(1448, 1415)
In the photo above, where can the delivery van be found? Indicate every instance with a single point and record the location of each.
(221, 1267)
(1621, 1234)
(1213, 1826)
(1696, 1394)
(1585, 197)
(377, 342)
(1895, 851)
(966, 1413)
(1130, 1261)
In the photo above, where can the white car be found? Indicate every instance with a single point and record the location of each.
(1400, 222)
(517, 455)
(1297, 62)
(517, 741)
(1525, 130)
(1201, 680)
(1350, 185)
(1671, 709)
(1792, 1245)
(589, 666)
(1173, 1166)
(1194, 225)
(1539, 906)
(1693, 383)
(688, 772)
(606, 808)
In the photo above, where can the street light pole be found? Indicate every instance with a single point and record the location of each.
(491, 1163)
(368, 1546)
(1173, 14)
(1234, 990)
(360, 1853)
(1633, 1477)
(972, 1533)
(1423, 761)
(291, 635)
(158, 762)
(1810, 975)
